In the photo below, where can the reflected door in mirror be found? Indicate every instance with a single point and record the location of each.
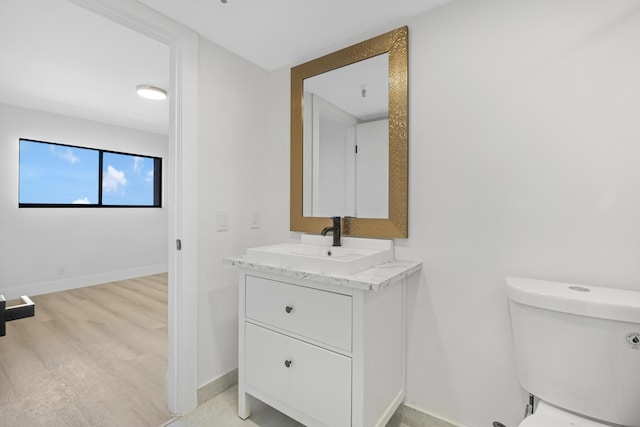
(345, 141)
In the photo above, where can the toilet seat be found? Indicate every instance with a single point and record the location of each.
(550, 416)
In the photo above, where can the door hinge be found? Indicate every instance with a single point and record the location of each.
(179, 244)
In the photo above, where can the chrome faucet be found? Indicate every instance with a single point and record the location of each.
(335, 231)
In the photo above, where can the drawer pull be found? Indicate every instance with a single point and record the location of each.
(287, 363)
(288, 309)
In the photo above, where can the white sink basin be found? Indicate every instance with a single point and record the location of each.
(315, 253)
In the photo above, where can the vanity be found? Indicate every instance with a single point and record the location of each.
(325, 348)
(322, 328)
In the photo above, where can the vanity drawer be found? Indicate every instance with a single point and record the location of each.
(319, 315)
(317, 382)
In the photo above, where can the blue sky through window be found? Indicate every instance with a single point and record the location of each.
(127, 180)
(57, 174)
(63, 175)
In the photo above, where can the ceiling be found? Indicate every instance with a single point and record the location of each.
(360, 89)
(279, 33)
(67, 60)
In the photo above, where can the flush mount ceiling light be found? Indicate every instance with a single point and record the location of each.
(151, 92)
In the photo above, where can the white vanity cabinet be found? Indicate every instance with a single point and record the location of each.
(320, 351)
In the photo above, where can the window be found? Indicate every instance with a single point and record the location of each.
(56, 175)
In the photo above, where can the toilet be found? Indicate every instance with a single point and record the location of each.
(577, 350)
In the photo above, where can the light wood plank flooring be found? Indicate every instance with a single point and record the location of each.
(95, 356)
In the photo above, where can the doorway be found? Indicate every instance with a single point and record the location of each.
(181, 184)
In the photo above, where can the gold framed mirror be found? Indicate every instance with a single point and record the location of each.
(392, 220)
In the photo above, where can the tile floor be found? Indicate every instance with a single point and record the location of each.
(221, 411)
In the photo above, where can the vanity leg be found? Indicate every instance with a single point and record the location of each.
(244, 409)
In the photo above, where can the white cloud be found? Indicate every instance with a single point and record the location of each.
(137, 164)
(149, 177)
(83, 201)
(113, 179)
(65, 154)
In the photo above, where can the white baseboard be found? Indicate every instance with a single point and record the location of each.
(82, 281)
(217, 386)
(413, 417)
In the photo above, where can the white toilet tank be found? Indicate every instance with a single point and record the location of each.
(578, 347)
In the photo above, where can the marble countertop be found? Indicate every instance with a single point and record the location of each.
(372, 279)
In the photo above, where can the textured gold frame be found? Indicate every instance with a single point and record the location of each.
(396, 44)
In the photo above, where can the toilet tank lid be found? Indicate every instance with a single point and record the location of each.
(581, 300)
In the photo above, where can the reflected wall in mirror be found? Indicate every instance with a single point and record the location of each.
(349, 141)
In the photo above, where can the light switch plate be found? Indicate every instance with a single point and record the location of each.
(255, 220)
(222, 220)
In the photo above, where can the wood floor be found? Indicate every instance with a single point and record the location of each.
(95, 356)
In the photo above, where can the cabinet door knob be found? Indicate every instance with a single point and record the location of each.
(288, 309)
(287, 363)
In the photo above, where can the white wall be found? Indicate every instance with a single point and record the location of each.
(524, 153)
(243, 167)
(92, 245)
(372, 170)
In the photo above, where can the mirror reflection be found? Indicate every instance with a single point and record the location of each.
(353, 99)
(346, 141)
